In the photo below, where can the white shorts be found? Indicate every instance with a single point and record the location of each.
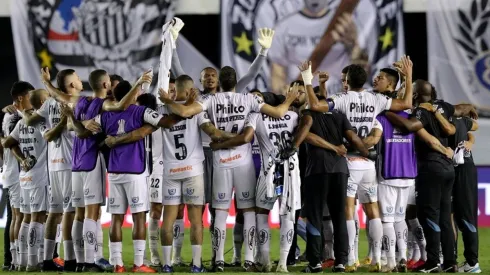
(60, 192)
(33, 200)
(156, 188)
(133, 193)
(261, 199)
(411, 195)
(392, 202)
(363, 183)
(89, 187)
(242, 178)
(14, 195)
(174, 194)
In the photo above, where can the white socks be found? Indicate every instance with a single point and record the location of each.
(40, 249)
(13, 252)
(356, 240)
(69, 252)
(376, 234)
(263, 238)
(249, 235)
(328, 233)
(167, 253)
(418, 234)
(77, 237)
(49, 249)
(287, 232)
(23, 243)
(196, 255)
(34, 241)
(153, 237)
(139, 251)
(89, 239)
(178, 239)
(401, 229)
(115, 253)
(99, 248)
(389, 240)
(351, 231)
(237, 241)
(219, 235)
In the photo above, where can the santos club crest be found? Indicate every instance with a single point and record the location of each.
(473, 26)
(122, 37)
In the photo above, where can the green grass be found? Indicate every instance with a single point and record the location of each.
(186, 250)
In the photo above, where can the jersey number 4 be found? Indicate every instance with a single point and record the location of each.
(180, 145)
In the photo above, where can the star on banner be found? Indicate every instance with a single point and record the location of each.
(243, 44)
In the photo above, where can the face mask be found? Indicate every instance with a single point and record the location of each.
(316, 6)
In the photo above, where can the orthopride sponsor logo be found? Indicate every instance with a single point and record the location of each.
(230, 159)
(181, 169)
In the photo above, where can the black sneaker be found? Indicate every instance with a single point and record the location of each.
(219, 266)
(13, 267)
(430, 268)
(79, 267)
(70, 266)
(49, 265)
(340, 268)
(6, 267)
(311, 269)
(249, 266)
(92, 268)
(450, 269)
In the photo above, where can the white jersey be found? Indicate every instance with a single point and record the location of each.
(183, 154)
(228, 112)
(33, 146)
(60, 149)
(272, 134)
(297, 35)
(361, 109)
(11, 167)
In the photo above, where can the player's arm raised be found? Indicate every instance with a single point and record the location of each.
(265, 41)
(129, 98)
(280, 110)
(434, 143)
(313, 102)
(404, 67)
(131, 137)
(180, 109)
(55, 92)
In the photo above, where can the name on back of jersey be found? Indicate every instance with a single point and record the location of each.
(177, 128)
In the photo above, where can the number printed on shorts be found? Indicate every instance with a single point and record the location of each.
(179, 145)
(155, 183)
(283, 139)
(362, 132)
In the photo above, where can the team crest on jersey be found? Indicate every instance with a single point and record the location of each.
(171, 192)
(473, 25)
(120, 36)
(112, 200)
(245, 194)
(221, 196)
(135, 199)
(120, 128)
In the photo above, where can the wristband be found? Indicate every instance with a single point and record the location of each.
(263, 51)
(307, 77)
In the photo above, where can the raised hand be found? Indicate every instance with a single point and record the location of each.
(66, 111)
(45, 75)
(145, 78)
(323, 77)
(265, 37)
(293, 93)
(163, 95)
(404, 66)
(345, 30)
(305, 67)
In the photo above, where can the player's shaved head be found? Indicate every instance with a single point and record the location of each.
(37, 97)
(183, 83)
(99, 80)
(423, 91)
(227, 78)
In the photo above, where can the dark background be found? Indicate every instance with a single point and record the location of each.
(204, 32)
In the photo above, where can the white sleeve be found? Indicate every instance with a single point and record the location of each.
(205, 102)
(98, 119)
(202, 118)
(15, 133)
(252, 120)
(41, 126)
(382, 102)
(256, 101)
(152, 117)
(339, 101)
(377, 125)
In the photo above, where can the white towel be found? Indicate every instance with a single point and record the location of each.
(458, 157)
(165, 60)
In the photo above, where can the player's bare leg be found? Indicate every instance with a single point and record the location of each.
(115, 248)
(170, 213)
(195, 217)
(52, 222)
(153, 232)
(178, 241)
(34, 240)
(77, 237)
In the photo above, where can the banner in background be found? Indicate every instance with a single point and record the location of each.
(378, 24)
(121, 37)
(458, 50)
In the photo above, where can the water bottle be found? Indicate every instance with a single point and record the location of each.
(146, 85)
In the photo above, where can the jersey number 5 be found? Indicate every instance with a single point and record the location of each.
(180, 145)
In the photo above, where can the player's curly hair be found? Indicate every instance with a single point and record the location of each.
(356, 76)
(147, 100)
(227, 78)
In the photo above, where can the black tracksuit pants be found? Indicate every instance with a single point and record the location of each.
(465, 206)
(7, 257)
(331, 189)
(434, 191)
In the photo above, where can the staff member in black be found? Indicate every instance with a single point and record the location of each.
(326, 181)
(435, 179)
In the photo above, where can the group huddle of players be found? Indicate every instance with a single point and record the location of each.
(189, 149)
